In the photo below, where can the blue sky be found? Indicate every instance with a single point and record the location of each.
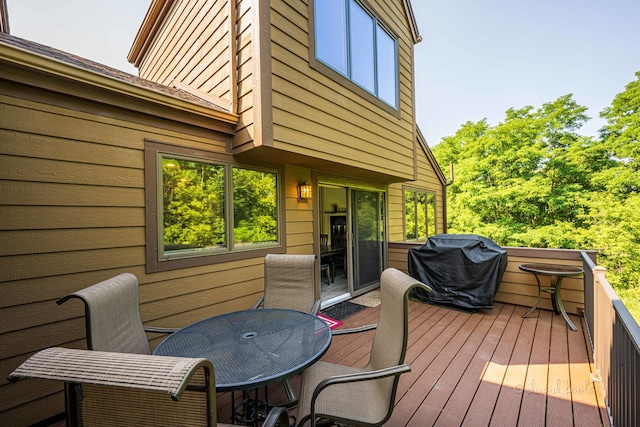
(477, 58)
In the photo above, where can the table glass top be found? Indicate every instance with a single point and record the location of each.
(253, 347)
(552, 269)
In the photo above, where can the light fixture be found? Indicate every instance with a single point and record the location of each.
(304, 191)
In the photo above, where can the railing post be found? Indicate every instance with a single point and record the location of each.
(588, 291)
(616, 351)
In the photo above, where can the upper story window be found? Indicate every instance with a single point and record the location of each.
(352, 41)
(419, 214)
(206, 209)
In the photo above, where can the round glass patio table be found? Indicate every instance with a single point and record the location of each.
(556, 273)
(252, 348)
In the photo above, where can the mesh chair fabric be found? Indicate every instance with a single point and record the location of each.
(110, 389)
(113, 315)
(289, 282)
(375, 401)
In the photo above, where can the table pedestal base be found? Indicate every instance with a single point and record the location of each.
(250, 410)
(556, 300)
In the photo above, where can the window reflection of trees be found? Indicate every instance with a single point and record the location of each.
(419, 215)
(194, 217)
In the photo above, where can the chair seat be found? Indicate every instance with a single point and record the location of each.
(364, 397)
(370, 406)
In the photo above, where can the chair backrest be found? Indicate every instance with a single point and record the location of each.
(324, 240)
(118, 389)
(112, 315)
(289, 282)
(339, 241)
(390, 339)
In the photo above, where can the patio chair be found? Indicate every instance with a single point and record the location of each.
(364, 396)
(339, 240)
(326, 263)
(118, 389)
(112, 316)
(289, 282)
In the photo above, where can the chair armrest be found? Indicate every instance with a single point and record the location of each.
(163, 374)
(316, 307)
(360, 376)
(159, 330)
(277, 417)
(258, 303)
(354, 330)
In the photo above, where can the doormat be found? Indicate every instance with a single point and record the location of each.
(333, 323)
(342, 310)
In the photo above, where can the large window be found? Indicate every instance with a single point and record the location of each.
(351, 40)
(194, 219)
(419, 214)
(202, 210)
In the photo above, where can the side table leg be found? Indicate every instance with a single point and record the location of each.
(537, 299)
(555, 290)
(558, 303)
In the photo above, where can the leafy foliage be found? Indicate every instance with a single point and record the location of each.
(193, 199)
(194, 206)
(533, 181)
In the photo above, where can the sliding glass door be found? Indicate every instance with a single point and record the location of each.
(367, 223)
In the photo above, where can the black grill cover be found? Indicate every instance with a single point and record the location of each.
(464, 270)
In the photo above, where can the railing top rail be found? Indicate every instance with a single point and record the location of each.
(629, 323)
(587, 260)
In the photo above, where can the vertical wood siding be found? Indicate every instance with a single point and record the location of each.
(246, 44)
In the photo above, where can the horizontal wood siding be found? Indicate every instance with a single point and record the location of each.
(72, 213)
(299, 213)
(193, 47)
(427, 180)
(518, 287)
(317, 117)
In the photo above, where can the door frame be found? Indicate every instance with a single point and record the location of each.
(348, 186)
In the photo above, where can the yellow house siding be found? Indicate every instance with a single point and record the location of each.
(315, 116)
(193, 47)
(247, 45)
(428, 180)
(299, 214)
(281, 100)
(72, 213)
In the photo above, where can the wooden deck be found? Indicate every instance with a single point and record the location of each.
(482, 369)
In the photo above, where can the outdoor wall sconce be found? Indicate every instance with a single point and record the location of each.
(304, 191)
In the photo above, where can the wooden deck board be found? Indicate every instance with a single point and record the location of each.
(456, 408)
(534, 398)
(488, 368)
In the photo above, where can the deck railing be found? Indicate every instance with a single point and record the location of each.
(615, 341)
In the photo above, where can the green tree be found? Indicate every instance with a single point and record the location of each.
(532, 181)
(193, 198)
(254, 206)
(519, 175)
(621, 138)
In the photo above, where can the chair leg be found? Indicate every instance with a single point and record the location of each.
(327, 268)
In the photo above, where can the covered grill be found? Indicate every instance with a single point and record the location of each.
(464, 270)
